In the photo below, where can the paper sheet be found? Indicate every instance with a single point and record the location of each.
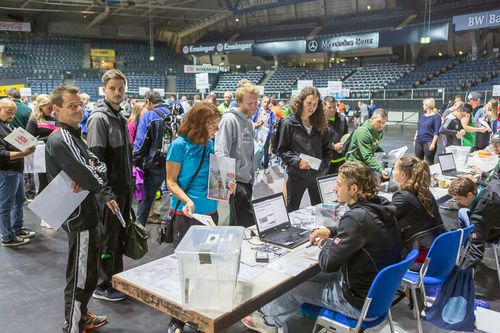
(222, 171)
(289, 265)
(35, 163)
(249, 273)
(21, 139)
(314, 162)
(310, 253)
(57, 201)
(204, 219)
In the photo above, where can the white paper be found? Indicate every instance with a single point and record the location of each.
(222, 172)
(21, 139)
(57, 201)
(314, 162)
(35, 163)
(310, 253)
(301, 84)
(395, 154)
(204, 219)
(289, 266)
(249, 273)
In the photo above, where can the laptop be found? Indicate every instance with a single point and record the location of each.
(326, 187)
(448, 166)
(273, 223)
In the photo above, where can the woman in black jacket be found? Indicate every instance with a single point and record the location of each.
(304, 133)
(416, 209)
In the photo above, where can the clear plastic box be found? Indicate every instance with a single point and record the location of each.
(327, 214)
(460, 154)
(209, 261)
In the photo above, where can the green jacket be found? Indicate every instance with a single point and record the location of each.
(365, 142)
(22, 116)
(222, 108)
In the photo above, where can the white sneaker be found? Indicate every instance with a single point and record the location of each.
(256, 322)
(45, 225)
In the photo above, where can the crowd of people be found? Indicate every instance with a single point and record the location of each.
(118, 158)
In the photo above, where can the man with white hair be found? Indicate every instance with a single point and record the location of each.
(224, 106)
(11, 182)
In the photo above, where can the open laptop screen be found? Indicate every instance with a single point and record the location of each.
(447, 162)
(326, 187)
(270, 212)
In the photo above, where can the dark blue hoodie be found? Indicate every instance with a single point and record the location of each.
(149, 139)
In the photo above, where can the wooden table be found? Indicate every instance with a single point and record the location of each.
(156, 284)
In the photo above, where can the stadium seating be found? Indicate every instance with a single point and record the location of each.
(284, 79)
(321, 77)
(229, 81)
(43, 85)
(426, 72)
(186, 82)
(376, 76)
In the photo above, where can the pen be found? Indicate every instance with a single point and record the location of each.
(311, 244)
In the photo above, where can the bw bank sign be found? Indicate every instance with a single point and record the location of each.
(343, 43)
(480, 20)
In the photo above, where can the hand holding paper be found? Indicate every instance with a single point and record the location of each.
(188, 208)
(314, 163)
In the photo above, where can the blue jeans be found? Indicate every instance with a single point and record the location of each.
(152, 183)
(463, 217)
(11, 203)
(322, 290)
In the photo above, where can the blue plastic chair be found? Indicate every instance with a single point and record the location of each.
(377, 305)
(443, 255)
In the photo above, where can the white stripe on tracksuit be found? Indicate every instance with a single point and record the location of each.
(81, 257)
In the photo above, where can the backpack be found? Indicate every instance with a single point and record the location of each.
(347, 142)
(275, 134)
(167, 131)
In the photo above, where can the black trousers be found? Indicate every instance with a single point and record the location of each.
(81, 276)
(422, 151)
(113, 237)
(182, 224)
(296, 187)
(43, 182)
(240, 208)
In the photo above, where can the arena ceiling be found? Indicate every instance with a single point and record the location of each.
(184, 16)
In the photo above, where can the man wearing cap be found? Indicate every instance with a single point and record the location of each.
(469, 138)
(150, 149)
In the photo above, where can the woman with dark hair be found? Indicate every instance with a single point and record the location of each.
(304, 133)
(189, 195)
(416, 209)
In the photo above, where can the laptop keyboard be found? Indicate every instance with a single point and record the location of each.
(287, 235)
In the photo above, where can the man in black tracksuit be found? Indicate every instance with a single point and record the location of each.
(108, 139)
(337, 128)
(65, 151)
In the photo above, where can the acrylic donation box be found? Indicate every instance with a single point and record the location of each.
(209, 261)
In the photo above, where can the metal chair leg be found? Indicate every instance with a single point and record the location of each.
(391, 324)
(495, 251)
(416, 310)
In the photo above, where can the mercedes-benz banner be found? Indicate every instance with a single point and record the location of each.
(343, 43)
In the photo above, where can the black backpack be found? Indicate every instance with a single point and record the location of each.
(275, 134)
(168, 135)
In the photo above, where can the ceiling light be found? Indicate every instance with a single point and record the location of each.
(84, 16)
(237, 19)
(355, 58)
(151, 58)
(440, 54)
(369, 7)
(460, 52)
(314, 59)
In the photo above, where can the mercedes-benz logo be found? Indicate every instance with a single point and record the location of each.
(312, 46)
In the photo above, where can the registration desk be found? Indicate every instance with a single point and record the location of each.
(157, 283)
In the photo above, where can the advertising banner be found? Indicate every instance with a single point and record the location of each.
(479, 20)
(279, 48)
(3, 89)
(301, 84)
(15, 26)
(102, 52)
(201, 69)
(240, 46)
(343, 43)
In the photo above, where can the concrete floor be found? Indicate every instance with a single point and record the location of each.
(32, 281)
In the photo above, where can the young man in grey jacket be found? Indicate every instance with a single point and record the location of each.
(109, 140)
(235, 139)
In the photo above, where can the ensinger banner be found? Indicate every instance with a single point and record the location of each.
(240, 46)
(15, 26)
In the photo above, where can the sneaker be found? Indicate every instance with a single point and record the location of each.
(109, 294)
(93, 321)
(174, 327)
(16, 241)
(256, 322)
(24, 233)
(65, 328)
(45, 225)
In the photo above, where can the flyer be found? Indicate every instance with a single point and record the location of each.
(222, 172)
